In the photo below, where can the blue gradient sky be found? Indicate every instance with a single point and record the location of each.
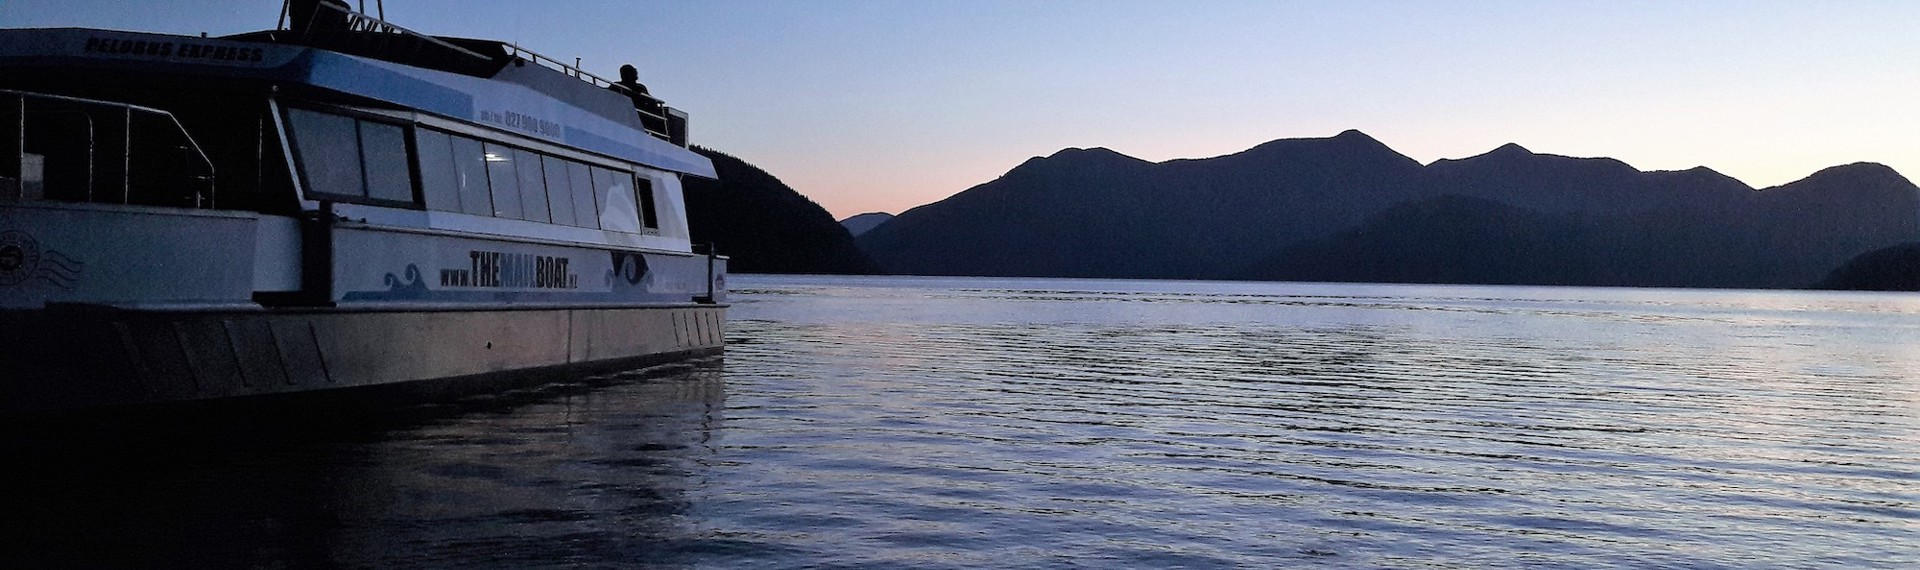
(886, 105)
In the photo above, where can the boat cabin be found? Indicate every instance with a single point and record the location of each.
(341, 117)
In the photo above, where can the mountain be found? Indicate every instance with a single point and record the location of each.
(1348, 208)
(1098, 213)
(1043, 212)
(1895, 268)
(1448, 239)
(861, 223)
(1624, 227)
(1816, 224)
(765, 226)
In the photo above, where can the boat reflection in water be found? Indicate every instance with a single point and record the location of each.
(601, 467)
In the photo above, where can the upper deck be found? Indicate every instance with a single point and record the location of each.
(338, 164)
(522, 97)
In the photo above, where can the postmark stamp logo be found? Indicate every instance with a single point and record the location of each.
(19, 257)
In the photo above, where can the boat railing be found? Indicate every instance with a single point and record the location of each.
(315, 20)
(55, 147)
(661, 121)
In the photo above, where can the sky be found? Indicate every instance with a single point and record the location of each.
(884, 105)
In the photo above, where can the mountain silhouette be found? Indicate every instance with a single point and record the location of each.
(765, 226)
(1818, 223)
(861, 223)
(1448, 239)
(1098, 213)
(1348, 208)
(1895, 268)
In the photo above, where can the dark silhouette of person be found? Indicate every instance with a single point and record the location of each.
(630, 79)
(652, 111)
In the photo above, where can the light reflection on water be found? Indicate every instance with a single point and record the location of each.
(1155, 424)
(868, 422)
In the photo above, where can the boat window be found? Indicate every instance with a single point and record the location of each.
(439, 180)
(559, 190)
(460, 174)
(470, 163)
(585, 213)
(643, 189)
(505, 180)
(383, 151)
(346, 158)
(617, 211)
(328, 147)
(533, 186)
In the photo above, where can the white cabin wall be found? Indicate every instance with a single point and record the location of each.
(276, 254)
(127, 255)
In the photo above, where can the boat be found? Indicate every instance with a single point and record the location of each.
(337, 205)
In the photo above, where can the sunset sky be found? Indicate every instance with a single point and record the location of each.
(886, 105)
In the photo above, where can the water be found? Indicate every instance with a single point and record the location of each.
(966, 423)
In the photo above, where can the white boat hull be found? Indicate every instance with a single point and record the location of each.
(78, 360)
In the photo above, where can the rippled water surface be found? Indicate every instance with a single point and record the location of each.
(968, 423)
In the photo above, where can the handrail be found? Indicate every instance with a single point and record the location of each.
(656, 119)
(72, 99)
(571, 70)
(576, 72)
(126, 174)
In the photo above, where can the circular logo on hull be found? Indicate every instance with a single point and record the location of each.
(631, 267)
(19, 257)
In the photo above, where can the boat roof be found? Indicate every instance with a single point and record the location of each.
(523, 98)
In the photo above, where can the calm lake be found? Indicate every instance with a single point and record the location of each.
(1009, 423)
